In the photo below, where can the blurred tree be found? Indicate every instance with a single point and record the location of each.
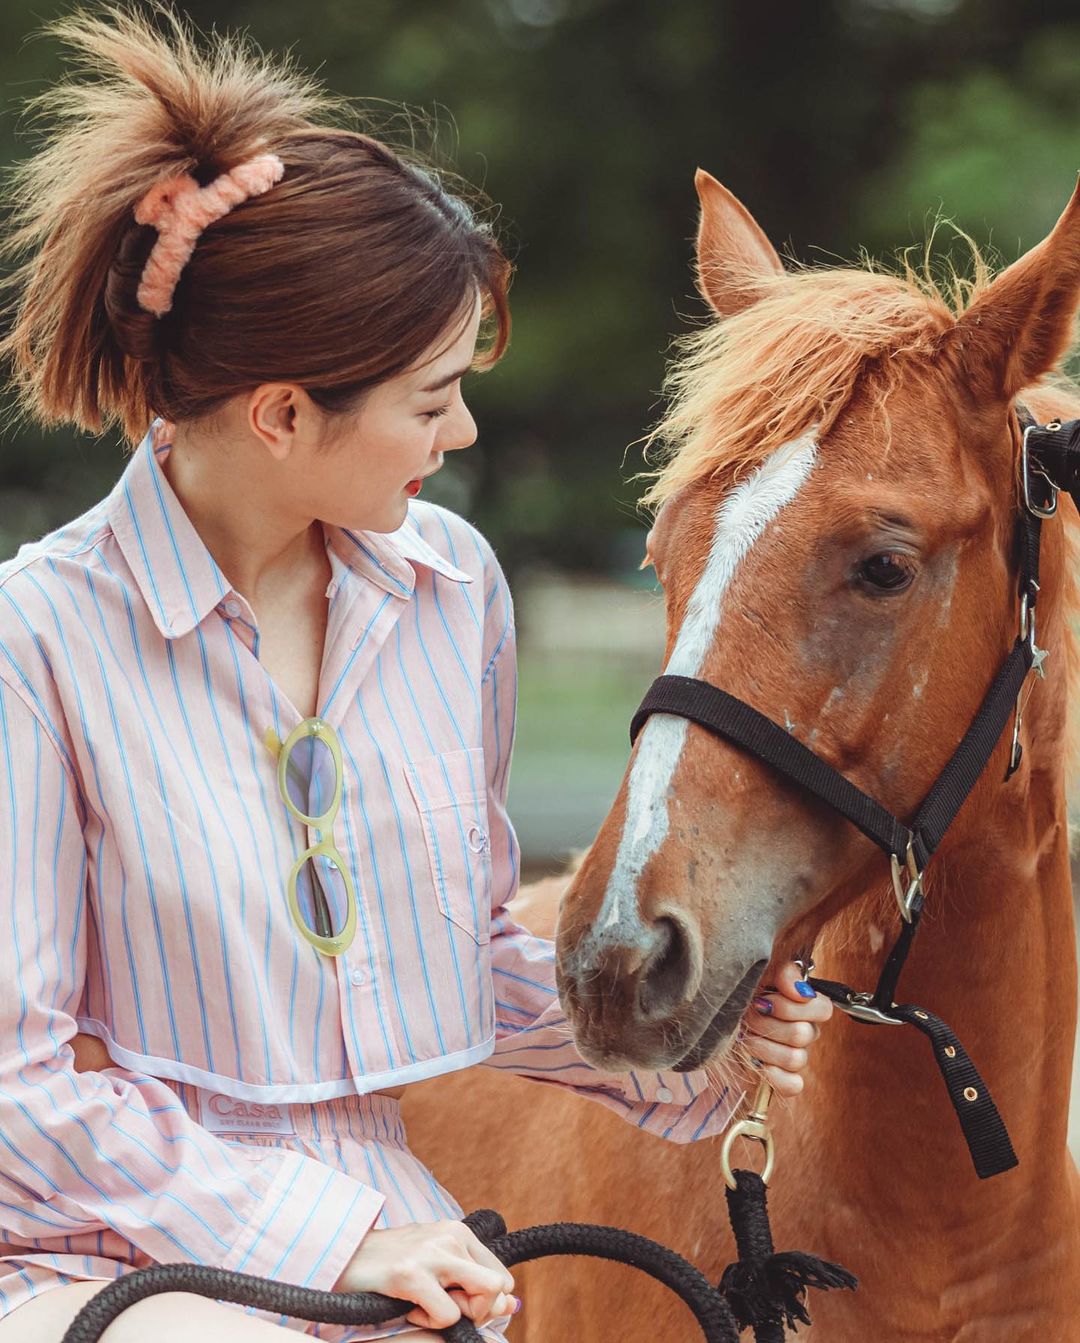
(839, 123)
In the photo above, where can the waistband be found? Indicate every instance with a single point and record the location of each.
(360, 1118)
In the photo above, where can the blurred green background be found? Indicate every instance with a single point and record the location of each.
(841, 124)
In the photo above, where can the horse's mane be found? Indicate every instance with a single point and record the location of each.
(741, 386)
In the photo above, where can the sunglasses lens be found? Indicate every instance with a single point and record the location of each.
(322, 896)
(310, 776)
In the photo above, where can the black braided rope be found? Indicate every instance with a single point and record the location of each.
(603, 1242)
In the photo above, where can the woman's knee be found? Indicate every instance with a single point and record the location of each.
(170, 1317)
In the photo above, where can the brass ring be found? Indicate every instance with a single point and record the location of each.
(748, 1129)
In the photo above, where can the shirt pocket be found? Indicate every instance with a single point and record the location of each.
(451, 796)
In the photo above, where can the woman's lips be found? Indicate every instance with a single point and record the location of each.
(413, 488)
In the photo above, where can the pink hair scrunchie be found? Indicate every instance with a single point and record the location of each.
(179, 208)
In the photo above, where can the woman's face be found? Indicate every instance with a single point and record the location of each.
(400, 434)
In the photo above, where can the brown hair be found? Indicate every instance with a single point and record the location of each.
(337, 278)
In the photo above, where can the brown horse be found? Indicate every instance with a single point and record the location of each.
(837, 546)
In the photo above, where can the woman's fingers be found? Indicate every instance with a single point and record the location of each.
(797, 1033)
(480, 1253)
(435, 1308)
(790, 998)
(783, 1083)
(475, 1307)
(790, 1059)
(484, 1286)
(774, 1004)
(458, 1286)
(792, 988)
(782, 1022)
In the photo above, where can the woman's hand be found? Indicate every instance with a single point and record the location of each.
(781, 1024)
(441, 1266)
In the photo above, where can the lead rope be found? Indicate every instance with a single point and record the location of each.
(765, 1290)
(761, 1290)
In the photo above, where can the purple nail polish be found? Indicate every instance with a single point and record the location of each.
(763, 1006)
(758, 1063)
(804, 989)
(517, 1304)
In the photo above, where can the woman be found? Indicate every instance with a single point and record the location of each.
(256, 712)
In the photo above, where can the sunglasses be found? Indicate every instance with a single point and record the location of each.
(319, 891)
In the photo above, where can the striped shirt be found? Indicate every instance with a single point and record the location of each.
(144, 851)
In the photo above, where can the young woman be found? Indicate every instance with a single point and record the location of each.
(256, 710)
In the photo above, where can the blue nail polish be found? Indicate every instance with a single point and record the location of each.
(763, 1006)
(804, 989)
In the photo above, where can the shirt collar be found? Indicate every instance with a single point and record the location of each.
(389, 559)
(178, 577)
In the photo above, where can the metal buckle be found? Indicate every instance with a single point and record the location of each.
(860, 1006)
(905, 895)
(1028, 469)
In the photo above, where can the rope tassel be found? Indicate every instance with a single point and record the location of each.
(766, 1290)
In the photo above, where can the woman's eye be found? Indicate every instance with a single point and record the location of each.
(886, 572)
(434, 414)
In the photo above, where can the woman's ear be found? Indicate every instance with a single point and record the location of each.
(1021, 326)
(733, 255)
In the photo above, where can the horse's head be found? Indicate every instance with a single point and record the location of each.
(837, 546)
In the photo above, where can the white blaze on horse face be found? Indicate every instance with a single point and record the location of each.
(740, 520)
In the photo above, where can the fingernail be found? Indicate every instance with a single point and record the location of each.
(763, 1006)
(804, 989)
(517, 1305)
(758, 1063)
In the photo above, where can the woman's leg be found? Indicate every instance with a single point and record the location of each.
(172, 1317)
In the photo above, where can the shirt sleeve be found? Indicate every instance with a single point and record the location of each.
(88, 1151)
(532, 1035)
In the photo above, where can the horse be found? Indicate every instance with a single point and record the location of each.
(837, 544)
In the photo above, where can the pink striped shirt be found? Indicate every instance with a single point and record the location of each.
(144, 848)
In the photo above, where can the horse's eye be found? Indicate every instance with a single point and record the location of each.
(886, 572)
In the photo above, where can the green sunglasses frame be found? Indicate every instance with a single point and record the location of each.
(325, 848)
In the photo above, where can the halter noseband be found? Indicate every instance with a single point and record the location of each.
(1050, 462)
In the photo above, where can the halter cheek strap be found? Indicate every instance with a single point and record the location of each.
(1050, 459)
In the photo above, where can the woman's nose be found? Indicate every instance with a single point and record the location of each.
(460, 431)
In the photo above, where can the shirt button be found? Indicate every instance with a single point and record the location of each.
(664, 1094)
(232, 608)
(478, 841)
(356, 978)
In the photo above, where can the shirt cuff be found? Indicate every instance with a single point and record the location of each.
(307, 1225)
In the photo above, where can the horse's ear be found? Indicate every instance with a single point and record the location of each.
(1021, 326)
(732, 252)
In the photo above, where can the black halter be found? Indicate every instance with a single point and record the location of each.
(1050, 462)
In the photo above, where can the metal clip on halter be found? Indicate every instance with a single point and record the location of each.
(905, 895)
(1029, 469)
(1038, 658)
(753, 1126)
(861, 1007)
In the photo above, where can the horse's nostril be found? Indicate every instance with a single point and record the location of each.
(662, 987)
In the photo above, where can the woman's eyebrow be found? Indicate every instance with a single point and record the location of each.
(445, 382)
